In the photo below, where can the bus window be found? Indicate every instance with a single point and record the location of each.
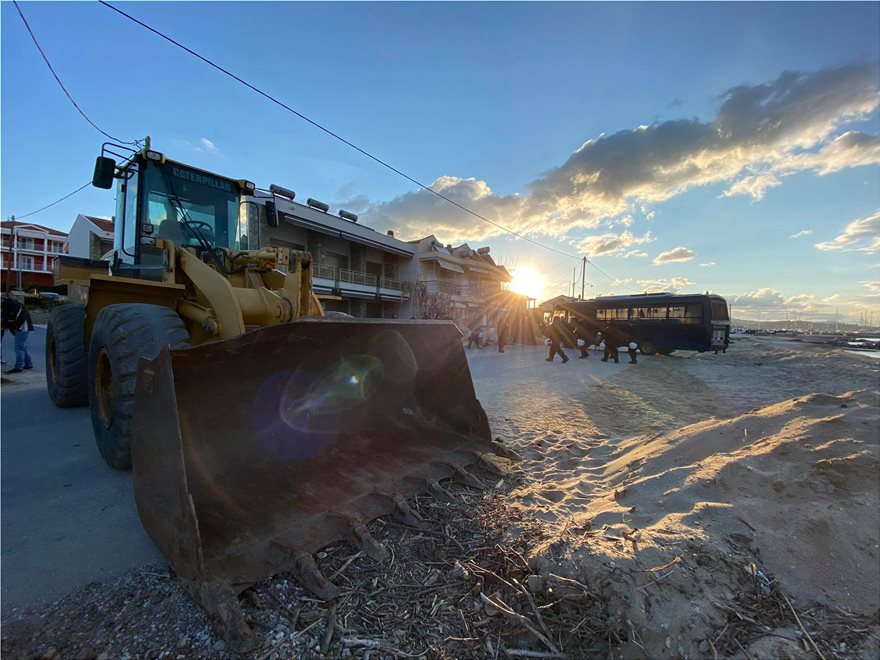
(690, 313)
(649, 314)
(612, 314)
(719, 310)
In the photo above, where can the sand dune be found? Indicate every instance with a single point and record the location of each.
(672, 524)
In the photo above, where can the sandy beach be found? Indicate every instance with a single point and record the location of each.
(682, 484)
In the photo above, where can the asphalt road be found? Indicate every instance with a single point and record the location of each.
(66, 518)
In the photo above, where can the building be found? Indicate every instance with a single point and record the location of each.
(89, 237)
(370, 274)
(28, 264)
(548, 306)
(467, 286)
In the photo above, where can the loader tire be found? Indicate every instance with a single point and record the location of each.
(121, 336)
(67, 368)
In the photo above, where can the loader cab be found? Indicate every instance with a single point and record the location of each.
(157, 198)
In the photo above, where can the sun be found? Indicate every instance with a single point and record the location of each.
(527, 281)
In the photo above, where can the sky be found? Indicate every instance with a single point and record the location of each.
(723, 147)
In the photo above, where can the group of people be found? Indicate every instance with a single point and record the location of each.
(608, 341)
(17, 320)
(480, 336)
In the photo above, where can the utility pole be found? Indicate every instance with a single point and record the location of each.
(583, 277)
(11, 255)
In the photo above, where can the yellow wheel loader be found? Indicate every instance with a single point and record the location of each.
(258, 430)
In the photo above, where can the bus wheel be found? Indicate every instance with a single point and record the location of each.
(665, 351)
(648, 347)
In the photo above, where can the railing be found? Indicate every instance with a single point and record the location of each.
(355, 277)
(327, 272)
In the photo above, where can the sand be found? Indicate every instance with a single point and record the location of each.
(688, 484)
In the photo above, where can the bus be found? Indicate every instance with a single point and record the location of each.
(659, 322)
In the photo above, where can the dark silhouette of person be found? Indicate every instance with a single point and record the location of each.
(612, 343)
(555, 334)
(632, 348)
(502, 336)
(580, 334)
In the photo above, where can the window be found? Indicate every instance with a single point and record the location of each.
(689, 313)
(25, 243)
(191, 208)
(649, 314)
(612, 314)
(26, 263)
(719, 311)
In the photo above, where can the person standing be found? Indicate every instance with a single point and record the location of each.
(17, 320)
(611, 344)
(555, 334)
(632, 347)
(580, 333)
(502, 336)
(474, 337)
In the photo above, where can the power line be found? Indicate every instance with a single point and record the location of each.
(615, 281)
(332, 134)
(20, 217)
(58, 80)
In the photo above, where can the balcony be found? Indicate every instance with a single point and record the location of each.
(357, 281)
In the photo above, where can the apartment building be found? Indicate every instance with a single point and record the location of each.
(369, 274)
(89, 237)
(28, 263)
(470, 285)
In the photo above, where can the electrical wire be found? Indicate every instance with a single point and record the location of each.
(21, 217)
(615, 281)
(332, 134)
(58, 80)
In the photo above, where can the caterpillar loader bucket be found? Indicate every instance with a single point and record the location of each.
(251, 454)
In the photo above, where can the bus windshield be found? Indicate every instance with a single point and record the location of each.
(191, 208)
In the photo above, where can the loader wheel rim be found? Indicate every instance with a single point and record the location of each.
(104, 388)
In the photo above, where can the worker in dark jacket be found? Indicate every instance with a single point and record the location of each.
(555, 333)
(17, 320)
(580, 334)
(612, 342)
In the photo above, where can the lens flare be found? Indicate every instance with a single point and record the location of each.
(344, 385)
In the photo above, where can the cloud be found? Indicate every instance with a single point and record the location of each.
(673, 284)
(771, 300)
(762, 298)
(708, 264)
(419, 213)
(861, 235)
(800, 299)
(754, 186)
(634, 253)
(207, 146)
(802, 232)
(678, 254)
(761, 133)
(603, 244)
(873, 286)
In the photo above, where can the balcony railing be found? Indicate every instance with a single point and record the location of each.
(339, 275)
(327, 272)
(356, 277)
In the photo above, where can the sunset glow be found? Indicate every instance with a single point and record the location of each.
(527, 282)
